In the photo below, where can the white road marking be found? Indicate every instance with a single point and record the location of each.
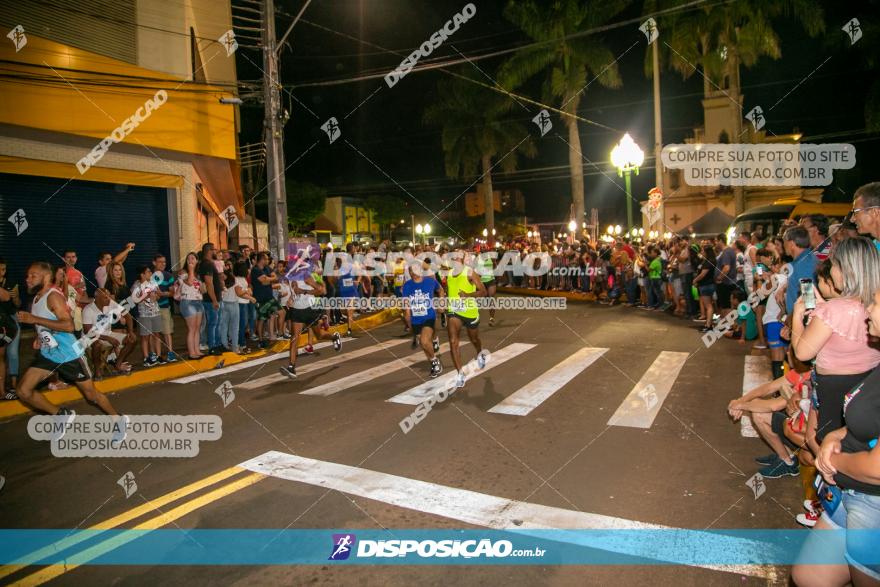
(363, 376)
(466, 506)
(418, 394)
(309, 367)
(532, 394)
(246, 364)
(756, 371)
(643, 403)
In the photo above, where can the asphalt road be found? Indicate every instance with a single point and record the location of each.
(687, 468)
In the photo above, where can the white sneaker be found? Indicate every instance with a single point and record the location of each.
(123, 423)
(460, 379)
(482, 358)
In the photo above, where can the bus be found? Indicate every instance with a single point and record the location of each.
(768, 220)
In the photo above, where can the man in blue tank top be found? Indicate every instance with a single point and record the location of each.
(58, 351)
(419, 293)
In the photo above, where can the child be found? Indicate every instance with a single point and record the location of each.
(146, 294)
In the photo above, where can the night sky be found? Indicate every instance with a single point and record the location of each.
(388, 127)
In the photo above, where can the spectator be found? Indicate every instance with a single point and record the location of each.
(213, 282)
(706, 285)
(687, 262)
(145, 293)
(262, 279)
(817, 229)
(120, 342)
(229, 310)
(866, 211)
(803, 265)
(725, 273)
(189, 292)
(165, 280)
(104, 259)
(10, 301)
(770, 313)
(75, 279)
(655, 278)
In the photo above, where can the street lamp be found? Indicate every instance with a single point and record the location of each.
(618, 229)
(485, 232)
(610, 229)
(641, 232)
(427, 229)
(627, 157)
(572, 226)
(529, 234)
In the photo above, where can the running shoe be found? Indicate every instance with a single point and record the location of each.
(171, 357)
(264, 344)
(337, 342)
(436, 344)
(770, 459)
(151, 361)
(217, 351)
(254, 338)
(62, 419)
(10, 395)
(289, 371)
(460, 380)
(309, 349)
(491, 321)
(348, 333)
(759, 346)
(120, 431)
(812, 506)
(482, 358)
(780, 469)
(436, 368)
(160, 360)
(808, 519)
(204, 347)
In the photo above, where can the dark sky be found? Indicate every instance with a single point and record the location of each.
(388, 129)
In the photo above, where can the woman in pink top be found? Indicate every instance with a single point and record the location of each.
(837, 335)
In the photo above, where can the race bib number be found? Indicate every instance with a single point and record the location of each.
(456, 305)
(348, 282)
(47, 341)
(398, 280)
(419, 308)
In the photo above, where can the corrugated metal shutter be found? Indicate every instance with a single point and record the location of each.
(86, 216)
(106, 27)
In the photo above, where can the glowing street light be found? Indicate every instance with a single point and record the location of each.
(627, 157)
(529, 234)
(427, 229)
(618, 229)
(419, 229)
(572, 226)
(610, 229)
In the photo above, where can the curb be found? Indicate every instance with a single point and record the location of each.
(119, 383)
(571, 297)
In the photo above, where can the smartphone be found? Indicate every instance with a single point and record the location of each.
(808, 293)
(760, 270)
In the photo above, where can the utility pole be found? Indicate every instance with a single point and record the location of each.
(275, 183)
(658, 128)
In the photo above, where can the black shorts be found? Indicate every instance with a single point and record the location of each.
(723, 291)
(777, 424)
(305, 316)
(470, 323)
(417, 328)
(70, 372)
(488, 284)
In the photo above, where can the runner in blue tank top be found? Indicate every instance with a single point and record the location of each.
(419, 293)
(58, 351)
(347, 280)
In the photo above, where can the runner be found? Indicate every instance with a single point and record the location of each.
(419, 294)
(487, 276)
(464, 285)
(305, 316)
(59, 352)
(347, 279)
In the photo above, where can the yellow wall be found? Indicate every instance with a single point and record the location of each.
(189, 122)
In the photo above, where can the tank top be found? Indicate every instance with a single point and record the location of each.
(303, 301)
(347, 285)
(487, 270)
(456, 285)
(58, 347)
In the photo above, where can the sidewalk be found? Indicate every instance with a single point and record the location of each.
(141, 376)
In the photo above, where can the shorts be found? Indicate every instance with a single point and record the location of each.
(71, 372)
(772, 331)
(469, 323)
(676, 287)
(149, 325)
(398, 291)
(115, 335)
(167, 321)
(707, 290)
(858, 511)
(189, 308)
(265, 309)
(305, 316)
(417, 328)
(488, 284)
(777, 424)
(378, 285)
(723, 290)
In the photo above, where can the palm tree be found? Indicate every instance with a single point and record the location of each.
(566, 63)
(720, 38)
(476, 130)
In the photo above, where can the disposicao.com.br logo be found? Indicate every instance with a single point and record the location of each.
(343, 545)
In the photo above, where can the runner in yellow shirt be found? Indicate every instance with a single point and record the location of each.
(463, 286)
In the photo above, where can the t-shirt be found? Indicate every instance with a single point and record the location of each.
(208, 271)
(773, 312)
(243, 284)
(164, 285)
(189, 291)
(727, 257)
(655, 268)
(92, 315)
(705, 265)
(147, 306)
(802, 267)
(229, 294)
(262, 293)
(7, 307)
(861, 413)
(419, 295)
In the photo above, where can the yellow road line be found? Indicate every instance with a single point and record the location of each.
(54, 571)
(122, 518)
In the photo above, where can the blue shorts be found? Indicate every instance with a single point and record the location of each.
(189, 308)
(858, 511)
(772, 331)
(707, 290)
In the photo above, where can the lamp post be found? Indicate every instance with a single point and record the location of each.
(627, 157)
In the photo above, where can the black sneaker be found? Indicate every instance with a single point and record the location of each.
(217, 351)
(289, 371)
(780, 469)
(770, 459)
(436, 368)
(160, 360)
(264, 344)
(337, 342)
(348, 333)
(10, 395)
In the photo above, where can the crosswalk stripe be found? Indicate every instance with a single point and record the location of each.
(466, 506)
(756, 371)
(643, 403)
(354, 379)
(309, 367)
(531, 395)
(246, 364)
(420, 393)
